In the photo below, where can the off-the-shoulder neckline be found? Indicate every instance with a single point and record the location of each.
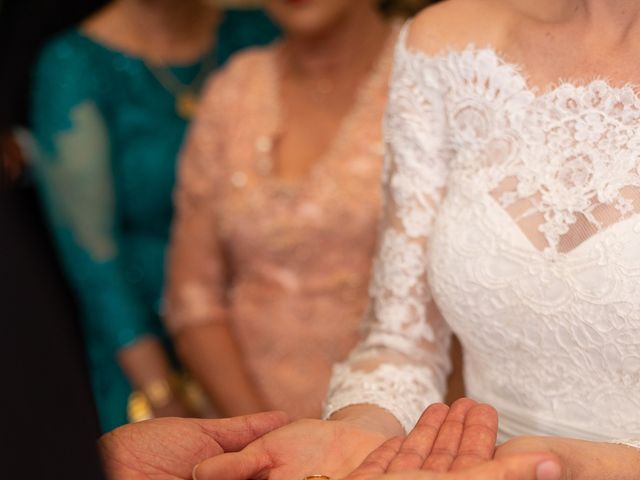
(516, 70)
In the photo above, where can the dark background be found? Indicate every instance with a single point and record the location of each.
(24, 26)
(48, 422)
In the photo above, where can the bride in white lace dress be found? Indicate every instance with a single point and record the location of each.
(512, 218)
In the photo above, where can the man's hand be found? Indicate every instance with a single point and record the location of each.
(306, 447)
(170, 448)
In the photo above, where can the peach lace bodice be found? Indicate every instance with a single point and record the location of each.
(287, 264)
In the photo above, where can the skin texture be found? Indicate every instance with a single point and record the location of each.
(460, 443)
(311, 17)
(444, 439)
(339, 447)
(447, 444)
(579, 459)
(170, 448)
(160, 31)
(518, 467)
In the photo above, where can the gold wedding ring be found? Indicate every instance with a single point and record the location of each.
(317, 477)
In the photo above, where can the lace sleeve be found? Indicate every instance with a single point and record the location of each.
(72, 167)
(630, 442)
(196, 273)
(402, 362)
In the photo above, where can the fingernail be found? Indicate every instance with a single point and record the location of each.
(193, 473)
(548, 470)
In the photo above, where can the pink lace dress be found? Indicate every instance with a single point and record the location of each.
(285, 263)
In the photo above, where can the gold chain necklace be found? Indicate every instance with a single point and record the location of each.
(186, 96)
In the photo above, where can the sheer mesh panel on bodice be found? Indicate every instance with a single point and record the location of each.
(515, 215)
(586, 176)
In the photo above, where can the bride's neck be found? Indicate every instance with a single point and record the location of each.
(611, 20)
(614, 18)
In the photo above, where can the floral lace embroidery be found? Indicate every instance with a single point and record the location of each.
(517, 214)
(401, 343)
(392, 387)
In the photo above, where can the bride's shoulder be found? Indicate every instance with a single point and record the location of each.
(456, 24)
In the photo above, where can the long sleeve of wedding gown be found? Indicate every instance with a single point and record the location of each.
(402, 363)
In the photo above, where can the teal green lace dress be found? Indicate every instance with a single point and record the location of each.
(108, 136)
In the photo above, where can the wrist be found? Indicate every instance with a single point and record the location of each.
(595, 461)
(154, 396)
(370, 417)
(144, 362)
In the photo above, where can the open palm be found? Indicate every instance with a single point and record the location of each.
(444, 439)
(456, 443)
(169, 448)
(306, 447)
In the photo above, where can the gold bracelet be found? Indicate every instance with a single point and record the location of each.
(153, 395)
(138, 407)
(158, 392)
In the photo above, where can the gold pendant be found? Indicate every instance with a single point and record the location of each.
(186, 105)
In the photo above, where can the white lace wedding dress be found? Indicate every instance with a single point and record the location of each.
(513, 219)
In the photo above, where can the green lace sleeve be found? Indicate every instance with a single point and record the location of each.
(74, 173)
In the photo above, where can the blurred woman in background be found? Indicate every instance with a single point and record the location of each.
(277, 207)
(111, 102)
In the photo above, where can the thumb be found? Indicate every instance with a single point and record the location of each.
(233, 466)
(233, 434)
(530, 466)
